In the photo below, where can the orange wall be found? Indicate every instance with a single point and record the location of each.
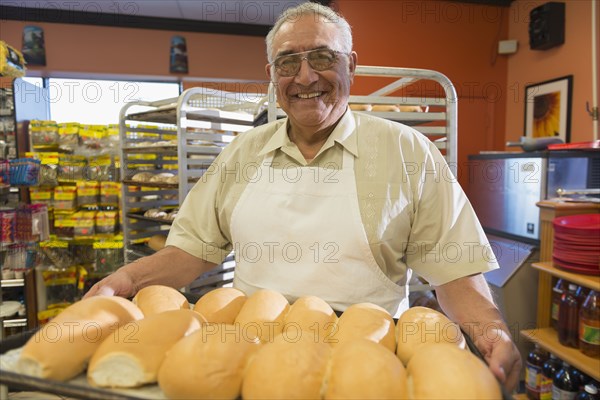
(97, 51)
(456, 39)
(530, 66)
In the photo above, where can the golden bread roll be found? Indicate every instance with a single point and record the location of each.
(142, 176)
(155, 299)
(157, 242)
(366, 321)
(133, 354)
(286, 370)
(410, 109)
(360, 107)
(385, 108)
(364, 370)
(162, 177)
(420, 325)
(63, 347)
(221, 305)
(444, 371)
(262, 314)
(208, 364)
(310, 317)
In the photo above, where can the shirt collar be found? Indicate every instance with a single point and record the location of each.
(344, 133)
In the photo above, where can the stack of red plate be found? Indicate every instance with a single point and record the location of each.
(577, 243)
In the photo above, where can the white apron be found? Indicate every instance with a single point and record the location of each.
(298, 231)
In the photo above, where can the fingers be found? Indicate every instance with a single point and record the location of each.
(505, 364)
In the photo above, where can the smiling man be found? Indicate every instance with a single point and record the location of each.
(331, 208)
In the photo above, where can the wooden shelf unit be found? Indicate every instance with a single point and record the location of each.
(544, 334)
(547, 338)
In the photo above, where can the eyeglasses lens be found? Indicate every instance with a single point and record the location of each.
(319, 60)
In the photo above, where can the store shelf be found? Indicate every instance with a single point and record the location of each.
(547, 338)
(589, 281)
(15, 323)
(6, 283)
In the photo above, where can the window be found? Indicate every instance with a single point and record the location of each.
(97, 101)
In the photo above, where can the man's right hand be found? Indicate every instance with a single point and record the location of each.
(119, 283)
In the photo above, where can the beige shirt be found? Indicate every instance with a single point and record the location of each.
(415, 214)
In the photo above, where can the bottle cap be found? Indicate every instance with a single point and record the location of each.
(591, 389)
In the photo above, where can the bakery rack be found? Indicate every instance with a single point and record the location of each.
(430, 90)
(181, 136)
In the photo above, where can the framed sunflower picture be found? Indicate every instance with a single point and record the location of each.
(548, 108)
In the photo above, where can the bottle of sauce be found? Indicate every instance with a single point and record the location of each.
(533, 372)
(557, 292)
(589, 325)
(568, 318)
(590, 392)
(549, 370)
(564, 386)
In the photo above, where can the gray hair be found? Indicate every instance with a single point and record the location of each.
(324, 12)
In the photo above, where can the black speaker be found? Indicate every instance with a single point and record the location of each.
(547, 26)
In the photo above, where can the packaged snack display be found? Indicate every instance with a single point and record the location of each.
(71, 168)
(65, 198)
(43, 135)
(24, 172)
(109, 256)
(109, 193)
(68, 136)
(106, 222)
(87, 193)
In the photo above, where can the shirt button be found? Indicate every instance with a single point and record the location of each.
(370, 195)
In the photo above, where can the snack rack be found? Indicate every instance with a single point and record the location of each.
(429, 90)
(180, 136)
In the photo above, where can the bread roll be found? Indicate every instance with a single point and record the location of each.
(443, 371)
(208, 364)
(365, 370)
(420, 325)
(262, 315)
(162, 177)
(157, 242)
(286, 370)
(221, 305)
(410, 108)
(366, 321)
(155, 299)
(142, 176)
(360, 107)
(385, 108)
(62, 348)
(311, 317)
(133, 354)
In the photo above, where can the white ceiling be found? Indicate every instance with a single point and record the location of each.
(258, 12)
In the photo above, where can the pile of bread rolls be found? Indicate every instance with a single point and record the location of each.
(152, 177)
(228, 345)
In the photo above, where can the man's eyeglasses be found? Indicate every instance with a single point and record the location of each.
(318, 59)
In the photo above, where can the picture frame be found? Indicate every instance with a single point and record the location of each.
(548, 108)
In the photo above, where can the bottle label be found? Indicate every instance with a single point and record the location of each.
(533, 377)
(559, 394)
(554, 311)
(589, 334)
(546, 388)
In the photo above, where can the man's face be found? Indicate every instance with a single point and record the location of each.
(312, 99)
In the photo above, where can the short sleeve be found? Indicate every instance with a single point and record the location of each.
(446, 241)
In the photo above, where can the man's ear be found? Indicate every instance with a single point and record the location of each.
(352, 63)
(268, 69)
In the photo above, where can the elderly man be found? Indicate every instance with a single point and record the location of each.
(330, 209)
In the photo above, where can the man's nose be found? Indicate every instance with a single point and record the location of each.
(306, 75)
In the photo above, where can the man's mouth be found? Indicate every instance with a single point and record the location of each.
(310, 95)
